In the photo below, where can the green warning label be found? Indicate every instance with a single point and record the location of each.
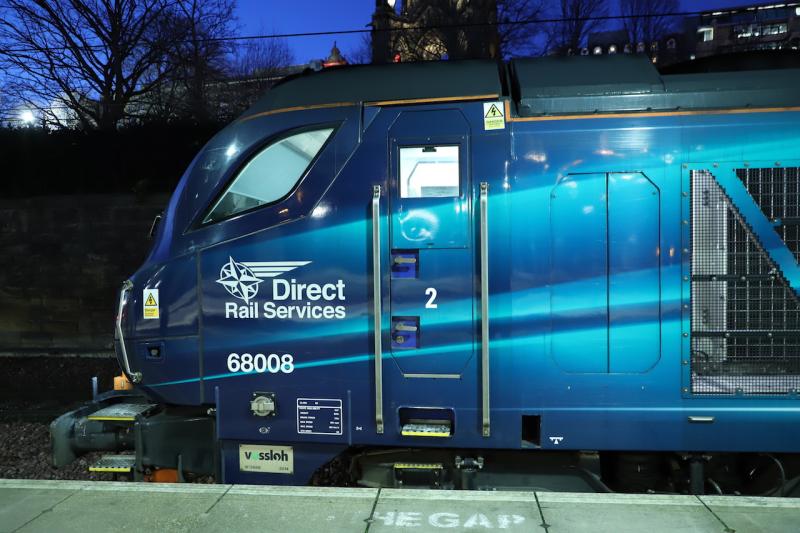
(493, 117)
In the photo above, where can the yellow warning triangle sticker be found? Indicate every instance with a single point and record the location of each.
(493, 112)
(151, 302)
(493, 118)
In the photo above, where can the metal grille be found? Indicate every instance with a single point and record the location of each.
(776, 190)
(745, 318)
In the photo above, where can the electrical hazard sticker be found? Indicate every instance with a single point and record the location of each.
(493, 117)
(150, 298)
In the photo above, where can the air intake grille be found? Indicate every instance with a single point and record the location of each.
(776, 190)
(745, 318)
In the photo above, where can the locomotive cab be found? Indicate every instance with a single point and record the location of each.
(465, 274)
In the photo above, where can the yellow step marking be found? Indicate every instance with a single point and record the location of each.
(116, 469)
(410, 433)
(419, 466)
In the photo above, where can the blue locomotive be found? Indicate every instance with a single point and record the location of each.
(565, 272)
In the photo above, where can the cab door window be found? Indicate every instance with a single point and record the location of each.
(429, 172)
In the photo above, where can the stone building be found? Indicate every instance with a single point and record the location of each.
(746, 28)
(335, 58)
(712, 33)
(423, 30)
(669, 49)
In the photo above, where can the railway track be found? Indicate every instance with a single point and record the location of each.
(25, 443)
(23, 412)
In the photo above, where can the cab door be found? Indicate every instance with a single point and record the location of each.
(431, 252)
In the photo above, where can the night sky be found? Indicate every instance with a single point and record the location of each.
(258, 17)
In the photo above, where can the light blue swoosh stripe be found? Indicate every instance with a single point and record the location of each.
(436, 350)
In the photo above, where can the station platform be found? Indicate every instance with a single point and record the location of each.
(85, 506)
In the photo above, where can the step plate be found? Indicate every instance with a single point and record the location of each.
(114, 463)
(121, 412)
(419, 466)
(425, 430)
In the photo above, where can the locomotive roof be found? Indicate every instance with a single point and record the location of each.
(390, 82)
(540, 86)
(631, 83)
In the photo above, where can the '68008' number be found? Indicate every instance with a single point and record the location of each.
(272, 363)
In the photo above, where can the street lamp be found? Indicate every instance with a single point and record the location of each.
(27, 117)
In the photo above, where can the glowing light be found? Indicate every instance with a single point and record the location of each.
(537, 157)
(506, 185)
(707, 33)
(232, 150)
(27, 116)
(320, 211)
(283, 211)
(604, 151)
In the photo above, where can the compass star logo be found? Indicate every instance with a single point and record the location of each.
(239, 280)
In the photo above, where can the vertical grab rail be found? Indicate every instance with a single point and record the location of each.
(484, 227)
(135, 377)
(376, 304)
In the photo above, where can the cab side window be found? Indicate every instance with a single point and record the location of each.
(270, 175)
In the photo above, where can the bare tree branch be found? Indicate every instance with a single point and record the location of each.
(575, 24)
(88, 55)
(361, 53)
(518, 39)
(641, 25)
(203, 54)
(257, 67)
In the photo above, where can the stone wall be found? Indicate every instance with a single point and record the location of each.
(62, 261)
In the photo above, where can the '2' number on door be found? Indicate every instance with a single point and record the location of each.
(431, 292)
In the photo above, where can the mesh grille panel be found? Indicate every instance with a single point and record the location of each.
(745, 318)
(776, 190)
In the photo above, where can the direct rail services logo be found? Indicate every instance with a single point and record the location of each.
(243, 281)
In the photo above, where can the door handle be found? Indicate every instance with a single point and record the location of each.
(404, 327)
(376, 305)
(484, 252)
(404, 260)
